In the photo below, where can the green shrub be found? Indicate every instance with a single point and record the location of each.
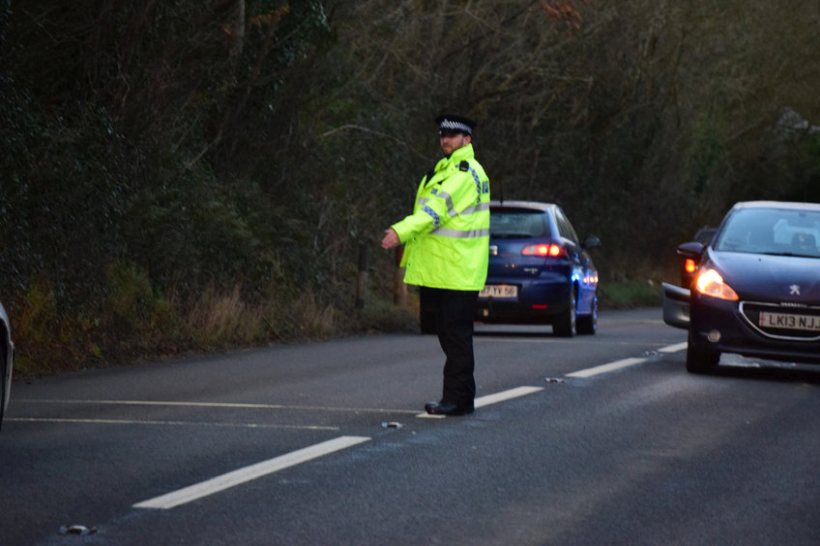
(629, 293)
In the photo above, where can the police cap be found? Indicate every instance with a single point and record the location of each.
(452, 124)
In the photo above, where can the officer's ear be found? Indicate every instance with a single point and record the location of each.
(468, 139)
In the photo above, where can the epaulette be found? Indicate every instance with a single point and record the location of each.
(464, 166)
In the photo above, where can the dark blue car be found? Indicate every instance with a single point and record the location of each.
(756, 291)
(539, 270)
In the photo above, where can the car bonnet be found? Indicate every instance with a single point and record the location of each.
(770, 278)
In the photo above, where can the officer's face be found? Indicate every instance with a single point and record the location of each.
(450, 142)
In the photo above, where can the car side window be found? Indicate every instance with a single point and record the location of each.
(564, 227)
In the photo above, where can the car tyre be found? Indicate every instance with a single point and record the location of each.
(699, 359)
(565, 323)
(588, 324)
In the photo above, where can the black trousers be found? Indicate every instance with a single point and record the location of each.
(454, 311)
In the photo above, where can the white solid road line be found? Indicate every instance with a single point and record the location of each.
(162, 423)
(243, 475)
(492, 399)
(228, 405)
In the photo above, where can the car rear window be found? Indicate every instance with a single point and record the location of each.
(515, 224)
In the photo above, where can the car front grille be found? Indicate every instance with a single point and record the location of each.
(788, 321)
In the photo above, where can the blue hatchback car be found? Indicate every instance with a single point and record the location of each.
(539, 270)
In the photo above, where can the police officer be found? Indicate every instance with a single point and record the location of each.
(446, 252)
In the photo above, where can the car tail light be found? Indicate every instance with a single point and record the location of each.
(545, 250)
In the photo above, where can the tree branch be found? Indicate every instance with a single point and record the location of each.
(350, 126)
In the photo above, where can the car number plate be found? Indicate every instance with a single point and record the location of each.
(790, 321)
(506, 291)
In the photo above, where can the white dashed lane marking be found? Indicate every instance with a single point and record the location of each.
(492, 399)
(624, 363)
(249, 473)
(605, 368)
(505, 395)
(673, 348)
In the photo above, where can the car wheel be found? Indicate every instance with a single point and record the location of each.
(700, 359)
(588, 324)
(564, 324)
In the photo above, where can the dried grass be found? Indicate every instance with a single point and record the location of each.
(217, 319)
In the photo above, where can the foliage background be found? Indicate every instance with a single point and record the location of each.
(190, 175)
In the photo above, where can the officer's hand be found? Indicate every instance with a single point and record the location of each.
(391, 239)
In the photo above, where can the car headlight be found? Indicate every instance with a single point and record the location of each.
(710, 283)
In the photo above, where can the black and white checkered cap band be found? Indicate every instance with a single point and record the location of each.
(450, 125)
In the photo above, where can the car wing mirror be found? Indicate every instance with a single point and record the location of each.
(692, 249)
(591, 242)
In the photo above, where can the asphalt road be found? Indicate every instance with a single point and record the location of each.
(592, 440)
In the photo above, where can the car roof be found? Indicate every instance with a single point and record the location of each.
(534, 205)
(776, 205)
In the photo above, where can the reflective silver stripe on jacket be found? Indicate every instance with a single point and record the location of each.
(456, 234)
(476, 208)
(451, 211)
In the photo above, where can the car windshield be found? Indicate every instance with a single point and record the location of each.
(515, 224)
(775, 231)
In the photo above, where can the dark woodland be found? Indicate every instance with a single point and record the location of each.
(191, 175)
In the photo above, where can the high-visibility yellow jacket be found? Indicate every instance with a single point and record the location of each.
(447, 237)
